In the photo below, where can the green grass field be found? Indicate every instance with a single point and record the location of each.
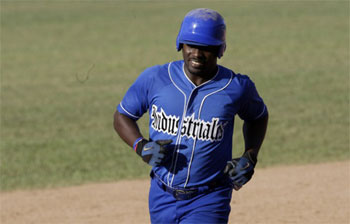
(65, 66)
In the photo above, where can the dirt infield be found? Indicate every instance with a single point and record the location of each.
(294, 194)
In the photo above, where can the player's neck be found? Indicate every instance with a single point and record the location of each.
(200, 78)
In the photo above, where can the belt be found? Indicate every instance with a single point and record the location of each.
(181, 194)
(188, 193)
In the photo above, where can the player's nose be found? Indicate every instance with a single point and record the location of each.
(197, 53)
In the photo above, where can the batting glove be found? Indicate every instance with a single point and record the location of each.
(153, 153)
(240, 170)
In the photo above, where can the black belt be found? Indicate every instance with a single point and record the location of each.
(181, 194)
(188, 193)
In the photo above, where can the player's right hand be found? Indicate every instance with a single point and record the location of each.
(153, 153)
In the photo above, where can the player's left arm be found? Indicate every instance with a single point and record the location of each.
(255, 115)
(240, 170)
(254, 135)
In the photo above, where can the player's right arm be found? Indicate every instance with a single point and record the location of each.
(127, 128)
(153, 153)
(134, 104)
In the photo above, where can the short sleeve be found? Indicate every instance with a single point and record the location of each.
(135, 102)
(252, 105)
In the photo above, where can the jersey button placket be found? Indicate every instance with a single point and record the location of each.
(182, 138)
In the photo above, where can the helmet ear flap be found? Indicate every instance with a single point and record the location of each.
(222, 50)
(178, 44)
(181, 46)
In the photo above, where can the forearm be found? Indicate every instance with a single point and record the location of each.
(126, 128)
(254, 134)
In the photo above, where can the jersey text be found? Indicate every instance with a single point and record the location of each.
(192, 128)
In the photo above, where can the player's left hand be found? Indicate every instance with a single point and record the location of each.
(240, 170)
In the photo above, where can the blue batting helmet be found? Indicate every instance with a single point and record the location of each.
(203, 27)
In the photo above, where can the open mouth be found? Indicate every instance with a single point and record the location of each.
(197, 63)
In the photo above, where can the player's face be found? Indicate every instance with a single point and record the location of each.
(200, 60)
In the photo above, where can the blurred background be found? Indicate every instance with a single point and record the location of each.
(66, 65)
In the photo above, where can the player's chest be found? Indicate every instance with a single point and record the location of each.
(196, 104)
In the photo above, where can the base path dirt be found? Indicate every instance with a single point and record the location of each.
(292, 194)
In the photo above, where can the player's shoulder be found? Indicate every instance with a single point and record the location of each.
(237, 78)
(153, 73)
(162, 71)
(155, 70)
(242, 78)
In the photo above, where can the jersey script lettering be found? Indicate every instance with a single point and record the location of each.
(192, 128)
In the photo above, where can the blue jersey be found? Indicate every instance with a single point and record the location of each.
(199, 119)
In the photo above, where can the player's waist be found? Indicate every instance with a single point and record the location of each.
(182, 178)
(185, 193)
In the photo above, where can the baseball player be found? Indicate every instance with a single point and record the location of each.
(192, 105)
